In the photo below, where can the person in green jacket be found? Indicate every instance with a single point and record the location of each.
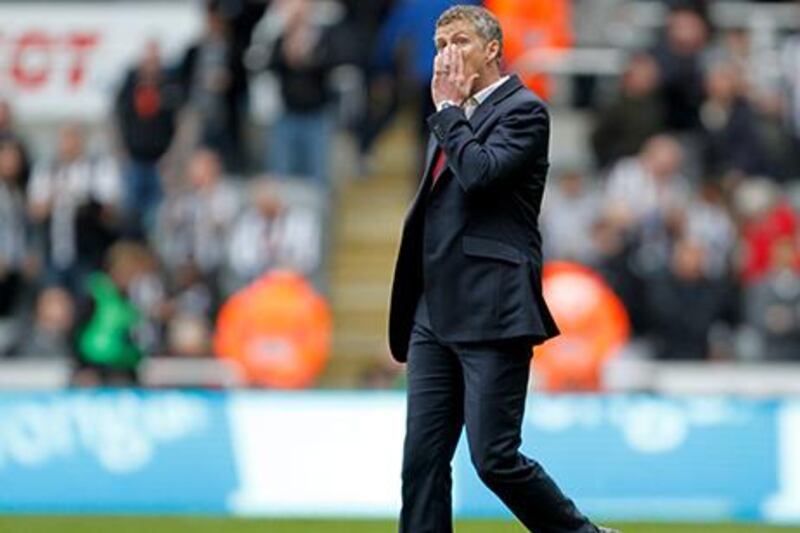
(107, 351)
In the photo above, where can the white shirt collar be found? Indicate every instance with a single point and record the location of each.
(484, 93)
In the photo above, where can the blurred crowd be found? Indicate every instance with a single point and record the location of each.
(116, 250)
(689, 208)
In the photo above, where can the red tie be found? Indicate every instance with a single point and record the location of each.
(438, 166)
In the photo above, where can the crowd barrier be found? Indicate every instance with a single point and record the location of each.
(249, 453)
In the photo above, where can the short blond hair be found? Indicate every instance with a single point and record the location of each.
(485, 23)
(129, 258)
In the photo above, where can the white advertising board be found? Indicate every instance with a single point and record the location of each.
(65, 60)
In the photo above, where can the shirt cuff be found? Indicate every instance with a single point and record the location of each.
(445, 104)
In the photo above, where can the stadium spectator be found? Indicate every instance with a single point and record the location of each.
(366, 19)
(729, 128)
(74, 200)
(790, 70)
(14, 249)
(242, 16)
(644, 199)
(780, 147)
(273, 234)
(6, 120)
(196, 221)
(363, 24)
(684, 305)
(679, 56)
(773, 304)
(146, 110)
(302, 58)
(191, 295)
(51, 333)
(214, 83)
(766, 218)
(8, 133)
(649, 187)
(108, 347)
(701, 7)
(149, 292)
(189, 336)
(752, 58)
(708, 221)
(569, 211)
(636, 113)
(613, 249)
(381, 106)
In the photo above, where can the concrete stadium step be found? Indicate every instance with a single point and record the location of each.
(366, 321)
(349, 372)
(366, 256)
(381, 193)
(388, 218)
(360, 295)
(355, 276)
(369, 215)
(362, 342)
(370, 230)
(355, 265)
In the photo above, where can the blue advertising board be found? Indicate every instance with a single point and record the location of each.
(115, 451)
(633, 457)
(339, 454)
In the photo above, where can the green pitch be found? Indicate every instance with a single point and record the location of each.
(17, 524)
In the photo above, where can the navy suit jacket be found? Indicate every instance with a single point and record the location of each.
(471, 241)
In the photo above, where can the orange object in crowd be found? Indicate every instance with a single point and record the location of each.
(277, 330)
(530, 26)
(593, 323)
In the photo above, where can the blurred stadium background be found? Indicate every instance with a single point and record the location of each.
(199, 208)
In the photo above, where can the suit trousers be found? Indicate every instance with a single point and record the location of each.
(480, 386)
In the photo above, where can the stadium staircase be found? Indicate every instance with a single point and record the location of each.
(369, 214)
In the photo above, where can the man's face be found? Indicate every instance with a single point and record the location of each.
(461, 34)
(203, 170)
(70, 143)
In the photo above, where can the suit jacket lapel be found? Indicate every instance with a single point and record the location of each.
(486, 108)
(426, 176)
(429, 153)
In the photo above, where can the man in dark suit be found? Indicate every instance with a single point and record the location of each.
(467, 303)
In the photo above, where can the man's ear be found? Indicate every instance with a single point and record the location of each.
(492, 52)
